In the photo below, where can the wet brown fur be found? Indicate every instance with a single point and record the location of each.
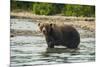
(60, 34)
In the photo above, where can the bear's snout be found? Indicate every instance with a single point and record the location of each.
(44, 30)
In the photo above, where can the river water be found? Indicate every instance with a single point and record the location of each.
(30, 50)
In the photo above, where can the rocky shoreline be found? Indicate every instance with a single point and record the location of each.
(87, 23)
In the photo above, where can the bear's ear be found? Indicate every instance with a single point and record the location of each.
(51, 24)
(38, 24)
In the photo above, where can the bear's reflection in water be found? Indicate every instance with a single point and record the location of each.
(61, 50)
(50, 51)
(60, 55)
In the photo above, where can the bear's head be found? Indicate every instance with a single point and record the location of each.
(45, 28)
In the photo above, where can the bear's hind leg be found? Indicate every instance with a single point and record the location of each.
(72, 45)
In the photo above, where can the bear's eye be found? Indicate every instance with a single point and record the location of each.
(38, 24)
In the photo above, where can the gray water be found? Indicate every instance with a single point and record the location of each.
(30, 50)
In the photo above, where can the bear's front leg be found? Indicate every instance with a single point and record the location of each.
(50, 44)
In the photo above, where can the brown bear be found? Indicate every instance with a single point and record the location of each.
(57, 34)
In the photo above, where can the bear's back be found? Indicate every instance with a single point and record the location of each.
(68, 34)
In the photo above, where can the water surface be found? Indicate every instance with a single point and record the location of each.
(29, 50)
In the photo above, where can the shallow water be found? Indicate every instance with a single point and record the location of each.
(32, 50)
